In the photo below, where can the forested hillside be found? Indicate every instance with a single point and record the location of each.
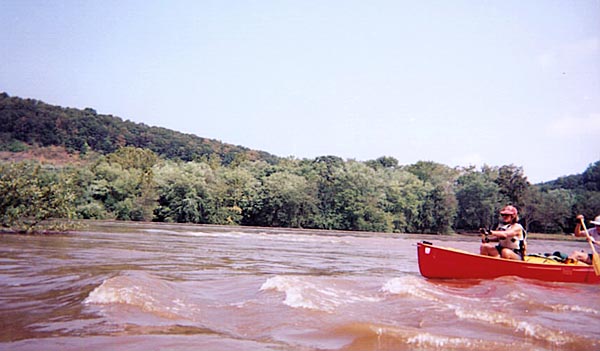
(28, 121)
(153, 174)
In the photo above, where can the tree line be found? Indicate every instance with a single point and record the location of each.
(323, 193)
(32, 122)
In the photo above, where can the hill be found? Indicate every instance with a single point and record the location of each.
(33, 122)
(589, 180)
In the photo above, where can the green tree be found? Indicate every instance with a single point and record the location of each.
(359, 198)
(87, 205)
(131, 157)
(183, 193)
(124, 183)
(235, 192)
(591, 177)
(437, 214)
(478, 199)
(432, 172)
(327, 170)
(438, 210)
(404, 196)
(383, 162)
(513, 184)
(555, 211)
(31, 197)
(287, 201)
(586, 203)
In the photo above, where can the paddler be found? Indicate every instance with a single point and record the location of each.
(510, 237)
(582, 255)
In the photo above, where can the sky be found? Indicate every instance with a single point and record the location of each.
(460, 82)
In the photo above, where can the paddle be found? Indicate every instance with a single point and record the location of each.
(595, 257)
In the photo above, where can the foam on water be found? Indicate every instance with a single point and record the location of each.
(484, 311)
(442, 342)
(574, 308)
(384, 337)
(143, 291)
(313, 294)
(283, 237)
(539, 332)
(411, 286)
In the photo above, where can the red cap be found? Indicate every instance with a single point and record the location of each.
(510, 210)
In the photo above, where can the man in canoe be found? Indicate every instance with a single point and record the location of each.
(510, 237)
(582, 255)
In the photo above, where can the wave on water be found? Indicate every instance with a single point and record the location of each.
(411, 286)
(313, 293)
(286, 237)
(574, 308)
(538, 303)
(527, 329)
(496, 310)
(148, 293)
(369, 336)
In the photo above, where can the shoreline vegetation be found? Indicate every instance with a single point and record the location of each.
(134, 184)
(65, 163)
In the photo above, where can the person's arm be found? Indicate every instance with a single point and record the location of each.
(486, 235)
(577, 231)
(580, 233)
(515, 230)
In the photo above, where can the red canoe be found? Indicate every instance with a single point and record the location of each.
(447, 263)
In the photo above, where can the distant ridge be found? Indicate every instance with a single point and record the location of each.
(33, 122)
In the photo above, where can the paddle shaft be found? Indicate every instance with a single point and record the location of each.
(595, 258)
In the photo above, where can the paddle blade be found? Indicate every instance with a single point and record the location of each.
(596, 263)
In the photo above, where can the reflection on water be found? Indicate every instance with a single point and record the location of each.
(148, 286)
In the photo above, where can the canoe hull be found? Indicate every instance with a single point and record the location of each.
(445, 263)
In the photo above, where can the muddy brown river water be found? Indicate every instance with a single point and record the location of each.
(146, 286)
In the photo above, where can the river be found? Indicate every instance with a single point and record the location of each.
(147, 286)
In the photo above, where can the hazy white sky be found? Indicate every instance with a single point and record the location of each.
(456, 82)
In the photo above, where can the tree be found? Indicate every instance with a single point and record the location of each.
(183, 193)
(133, 157)
(31, 197)
(124, 183)
(327, 170)
(235, 191)
(359, 198)
(383, 162)
(587, 203)
(439, 208)
(513, 184)
(432, 172)
(591, 177)
(87, 205)
(555, 211)
(113, 186)
(478, 199)
(288, 201)
(35, 122)
(438, 211)
(404, 197)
